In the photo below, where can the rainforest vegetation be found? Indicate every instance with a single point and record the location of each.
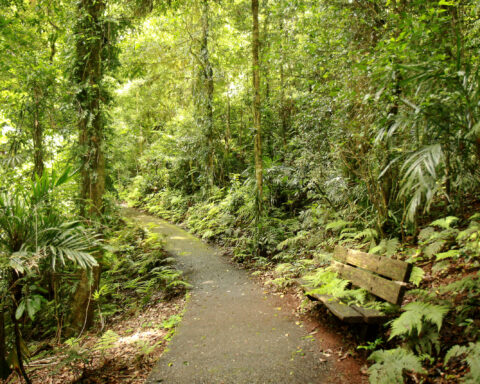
(277, 129)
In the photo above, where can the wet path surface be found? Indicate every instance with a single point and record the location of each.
(231, 332)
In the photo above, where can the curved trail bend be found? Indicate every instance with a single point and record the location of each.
(231, 332)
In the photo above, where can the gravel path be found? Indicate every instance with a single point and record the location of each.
(231, 332)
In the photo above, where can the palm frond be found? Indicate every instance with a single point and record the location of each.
(420, 181)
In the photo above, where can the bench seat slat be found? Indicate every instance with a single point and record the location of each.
(342, 311)
(370, 315)
(388, 290)
(393, 269)
(358, 315)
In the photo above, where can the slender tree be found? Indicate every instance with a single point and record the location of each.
(208, 86)
(257, 105)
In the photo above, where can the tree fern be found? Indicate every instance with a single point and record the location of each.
(390, 366)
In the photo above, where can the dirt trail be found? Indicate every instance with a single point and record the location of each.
(232, 332)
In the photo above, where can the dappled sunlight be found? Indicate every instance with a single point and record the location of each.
(178, 238)
(138, 336)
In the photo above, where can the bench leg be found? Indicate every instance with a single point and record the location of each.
(363, 331)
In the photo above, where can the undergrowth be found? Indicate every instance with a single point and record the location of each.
(440, 309)
(138, 283)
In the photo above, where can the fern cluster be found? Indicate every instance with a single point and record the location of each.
(419, 325)
(390, 366)
(294, 246)
(138, 267)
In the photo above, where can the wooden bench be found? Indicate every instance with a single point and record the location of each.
(383, 277)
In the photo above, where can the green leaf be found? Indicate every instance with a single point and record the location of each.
(416, 276)
(445, 223)
(20, 310)
(34, 304)
(337, 225)
(449, 254)
(415, 315)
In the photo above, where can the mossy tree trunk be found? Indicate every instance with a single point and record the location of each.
(88, 75)
(37, 135)
(257, 106)
(208, 85)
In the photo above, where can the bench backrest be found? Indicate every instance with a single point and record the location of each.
(381, 276)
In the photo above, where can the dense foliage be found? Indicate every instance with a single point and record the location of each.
(280, 135)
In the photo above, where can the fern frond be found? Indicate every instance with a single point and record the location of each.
(337, 225)
(452, 253)
(367, 234)
(292, 241)
(386, 247)
(390, 365)
(446, 222)
(392, 246)
(420, 178)
(433, 248)
(417, 275)
(415, 316)
(472, 358)
(425, 234)
(407, 323)
(107, 341)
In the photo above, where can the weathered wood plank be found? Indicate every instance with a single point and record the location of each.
(393, 269)
(388, 290)
(342, 311)
(371, 316)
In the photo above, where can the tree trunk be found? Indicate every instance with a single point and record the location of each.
(37, 136)
(4, 368)
(266, 52)
(207, 77)
(228, 135)
(88, 74)
(17, 298)
(283, 106)
(257, 106)
(82, 306)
